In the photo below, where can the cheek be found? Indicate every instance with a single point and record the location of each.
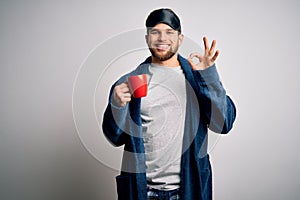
(150, 41)
(175, 42)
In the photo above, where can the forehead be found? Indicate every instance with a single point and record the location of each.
(162, 26)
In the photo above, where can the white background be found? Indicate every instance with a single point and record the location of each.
(44, 43)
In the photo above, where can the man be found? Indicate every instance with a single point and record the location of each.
(165, 133)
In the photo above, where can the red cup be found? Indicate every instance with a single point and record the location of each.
(138, 85)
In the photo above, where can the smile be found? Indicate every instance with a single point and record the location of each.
(162, 47)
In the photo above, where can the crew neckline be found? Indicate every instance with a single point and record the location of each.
(164, 67)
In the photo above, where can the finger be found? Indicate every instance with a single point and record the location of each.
(191, 61)
(125, 99)
(123, 85)
(122, 88)
(215, 56)
(121, 92)
(122, 99)
(125, 90)
(197, 56)
(212, 48)
(127, 94)
(205, 44)
(118, 100)
(193, 65)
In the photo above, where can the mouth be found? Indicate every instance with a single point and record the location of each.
(162, 47)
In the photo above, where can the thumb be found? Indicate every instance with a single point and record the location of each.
(191, 62)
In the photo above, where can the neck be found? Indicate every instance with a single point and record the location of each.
(172, 62)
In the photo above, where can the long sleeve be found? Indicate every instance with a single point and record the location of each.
(114, 122)
(218, 108)
(122, 124)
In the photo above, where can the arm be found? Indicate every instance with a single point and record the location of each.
(219, 109)
(115, 115)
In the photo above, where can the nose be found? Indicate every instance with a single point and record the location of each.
(162, 36)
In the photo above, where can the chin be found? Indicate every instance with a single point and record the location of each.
(162, 56)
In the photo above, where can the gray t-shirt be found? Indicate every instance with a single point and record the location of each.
(163, 117)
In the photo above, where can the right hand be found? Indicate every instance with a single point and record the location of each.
(121, 95)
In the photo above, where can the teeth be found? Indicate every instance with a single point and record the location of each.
(162, 46)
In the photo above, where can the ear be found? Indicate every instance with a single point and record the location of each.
(146, 38)
(180, 39)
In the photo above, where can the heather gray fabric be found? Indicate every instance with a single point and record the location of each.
(163, 115)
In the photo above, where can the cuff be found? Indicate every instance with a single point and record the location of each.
(207, 76)
(119, 113)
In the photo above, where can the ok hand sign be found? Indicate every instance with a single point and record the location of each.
(206, 60)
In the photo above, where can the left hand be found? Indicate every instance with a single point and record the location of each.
(206, 60)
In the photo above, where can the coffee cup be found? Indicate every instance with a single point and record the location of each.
(138, 85)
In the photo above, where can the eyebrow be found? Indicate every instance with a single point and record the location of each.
(157, 29)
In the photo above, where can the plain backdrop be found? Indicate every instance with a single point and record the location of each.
(44, 44)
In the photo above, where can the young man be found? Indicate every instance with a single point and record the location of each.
(165, 133)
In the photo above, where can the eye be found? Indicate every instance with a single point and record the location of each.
(154, 32)
(170, 32)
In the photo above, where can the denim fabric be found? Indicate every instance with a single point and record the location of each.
(154, 194)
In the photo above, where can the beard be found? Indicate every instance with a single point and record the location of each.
(163, 57)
